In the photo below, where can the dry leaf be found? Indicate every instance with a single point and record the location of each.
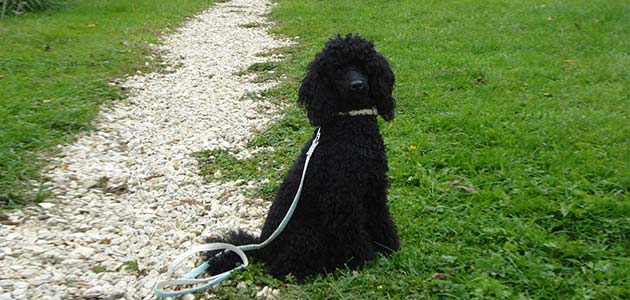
(153, 177)
(117, 190)
(101, 183)
(64, 165)
(105, 242)
(189, 201)
(91, 25)
(440, 276)
(455, 184)
(465, 188)
(47, 100)
(10, 223)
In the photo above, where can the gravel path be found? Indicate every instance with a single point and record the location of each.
(128, 197)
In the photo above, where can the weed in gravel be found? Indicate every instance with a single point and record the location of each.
(251, 25)
(131, 266)
(264, 71)
(99, 269)
(263, 66)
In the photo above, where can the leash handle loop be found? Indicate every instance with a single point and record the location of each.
(160, 288)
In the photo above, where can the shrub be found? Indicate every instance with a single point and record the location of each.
(17, 7)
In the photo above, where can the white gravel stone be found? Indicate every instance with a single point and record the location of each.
(119, 214)
(188, 297)
(93, 292)
(268, 293)
(46, 205)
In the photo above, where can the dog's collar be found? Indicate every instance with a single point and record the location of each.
(361, 112)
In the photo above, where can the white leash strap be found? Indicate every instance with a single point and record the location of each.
(287, 217)
(160, 289)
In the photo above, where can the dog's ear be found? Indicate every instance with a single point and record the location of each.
(382, 85)
(316, 93)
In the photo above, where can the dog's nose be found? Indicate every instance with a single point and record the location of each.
(357, 85)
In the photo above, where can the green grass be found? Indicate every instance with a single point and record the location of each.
(509, 156)
(54, 72)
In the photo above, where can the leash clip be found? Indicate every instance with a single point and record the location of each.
(314, 143)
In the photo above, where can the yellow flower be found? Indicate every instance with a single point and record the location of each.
(380, 287)
(412, 148)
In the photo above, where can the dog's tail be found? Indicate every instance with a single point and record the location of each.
(222, 262)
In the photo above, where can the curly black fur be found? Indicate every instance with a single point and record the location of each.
(342, 217)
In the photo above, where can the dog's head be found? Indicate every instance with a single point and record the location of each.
(348, 74)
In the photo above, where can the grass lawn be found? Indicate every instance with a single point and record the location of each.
(509, 156)
(54, 68)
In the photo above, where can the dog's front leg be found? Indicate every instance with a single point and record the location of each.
(382, 230)
(379, 223)
(344, 218)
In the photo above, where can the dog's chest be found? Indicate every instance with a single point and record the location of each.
(354, 154)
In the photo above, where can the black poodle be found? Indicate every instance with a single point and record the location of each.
(342, 217)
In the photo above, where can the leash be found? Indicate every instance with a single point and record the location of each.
(161, 288)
